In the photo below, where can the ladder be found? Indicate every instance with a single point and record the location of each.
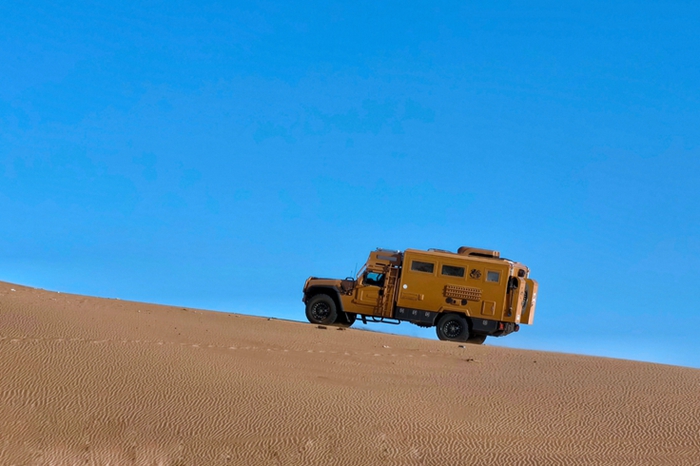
(386, 300)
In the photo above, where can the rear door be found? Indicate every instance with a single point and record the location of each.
(418, 277)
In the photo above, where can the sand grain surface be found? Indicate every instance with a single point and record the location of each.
(102, 381)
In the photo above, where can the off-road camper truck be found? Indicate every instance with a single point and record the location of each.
(467, 295)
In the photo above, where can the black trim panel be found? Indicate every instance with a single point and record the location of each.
(485, 326)
(415, 315)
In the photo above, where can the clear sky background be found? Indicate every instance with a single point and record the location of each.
(216, 154)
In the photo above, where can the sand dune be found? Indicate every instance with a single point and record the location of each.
(100, 381)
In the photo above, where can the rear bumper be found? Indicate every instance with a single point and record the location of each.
(493, 328)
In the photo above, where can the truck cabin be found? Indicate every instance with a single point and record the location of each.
(377, 265)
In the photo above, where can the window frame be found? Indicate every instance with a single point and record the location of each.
(489, 272)
(379, 283)
(431, 264)
(442, 271)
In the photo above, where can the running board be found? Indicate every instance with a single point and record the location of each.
(382, 320)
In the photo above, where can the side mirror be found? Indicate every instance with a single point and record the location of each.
(347, 285)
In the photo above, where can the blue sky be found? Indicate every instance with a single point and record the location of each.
(216, 154)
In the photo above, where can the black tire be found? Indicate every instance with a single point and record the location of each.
(341, 320)
(321, 309)
(476, 339)
(452, 327)
(345, 319)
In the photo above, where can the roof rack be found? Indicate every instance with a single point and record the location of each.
(469, 251)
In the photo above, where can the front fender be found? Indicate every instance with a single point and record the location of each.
(329, 290)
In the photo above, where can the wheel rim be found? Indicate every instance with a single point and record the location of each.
(452, 328)
(320, 311)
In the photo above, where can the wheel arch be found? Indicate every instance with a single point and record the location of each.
(327, 290)
(445, 312)
(461, 315)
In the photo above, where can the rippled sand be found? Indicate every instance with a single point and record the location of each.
(100, 381)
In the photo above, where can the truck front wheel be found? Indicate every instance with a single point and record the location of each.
(321, 309)
(452, 327)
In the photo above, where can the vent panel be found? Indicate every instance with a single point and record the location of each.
(463, 292)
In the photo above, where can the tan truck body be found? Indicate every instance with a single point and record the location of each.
(467, 295)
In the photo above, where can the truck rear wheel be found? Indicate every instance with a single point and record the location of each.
(321, 309)
(452, 327)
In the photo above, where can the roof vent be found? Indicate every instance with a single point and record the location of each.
(467, 251)
(440, 250)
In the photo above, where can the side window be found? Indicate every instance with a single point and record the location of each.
(374, 279)
(452, 271)
(419, 266)
(492, 276)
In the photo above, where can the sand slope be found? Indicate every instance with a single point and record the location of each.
(98, 381)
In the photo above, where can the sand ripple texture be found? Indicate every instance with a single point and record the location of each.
(89, 381)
